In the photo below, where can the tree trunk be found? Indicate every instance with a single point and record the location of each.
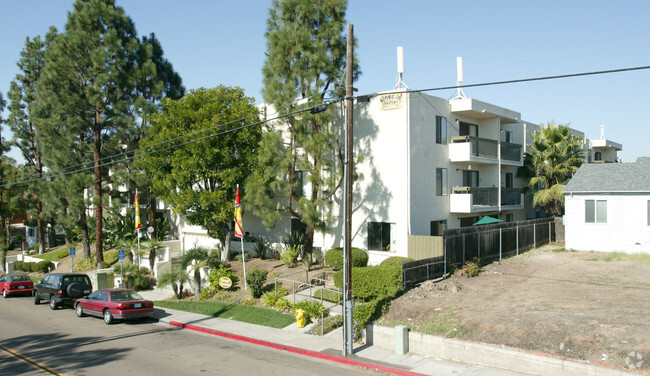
(40, 227)
(152, 258)
(84, 235)
(225, 254)
(98, 190)
(309, 247)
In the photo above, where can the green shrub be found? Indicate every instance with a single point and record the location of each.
(213, 281)
(42, 266)
(255, 279)
(334, 258)
(471, 268)
(133, 277)
(312, 308)
(270, 298)
(283, 305)
(19, 266)
(396, 260)
(374, 282)
(261, 247)
(289, 256)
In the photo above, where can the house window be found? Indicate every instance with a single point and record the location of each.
(441, 130)
(467, 129)
(378, 236)
(441, 182)
(509, 217)
(510, 179)
(438, 227)
(30, 232)
(298, 183)
(509, 136)
(595, 211)
(468, 221)
(298, 226)
(598, 156)
(470, 178)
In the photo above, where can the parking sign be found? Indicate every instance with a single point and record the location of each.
(121, 254)
(72, 251)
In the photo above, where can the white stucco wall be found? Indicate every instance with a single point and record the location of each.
(626, 229)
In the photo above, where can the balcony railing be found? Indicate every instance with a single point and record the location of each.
(474, 199)
(486, 148)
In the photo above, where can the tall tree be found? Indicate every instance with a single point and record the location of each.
(199, 179)
(87, 89)
(21, 121)
(306, 52)
(555, 155)
(155, 79)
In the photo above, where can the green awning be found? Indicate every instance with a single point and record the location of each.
(486, 220)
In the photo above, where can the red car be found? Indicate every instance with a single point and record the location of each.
(114, 304)
(16, 284)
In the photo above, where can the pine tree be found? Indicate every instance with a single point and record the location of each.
(305, 60)
(86, 92)
(21, 122)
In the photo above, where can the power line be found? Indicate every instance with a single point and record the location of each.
(312, 109)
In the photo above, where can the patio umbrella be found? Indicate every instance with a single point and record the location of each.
(486, 220)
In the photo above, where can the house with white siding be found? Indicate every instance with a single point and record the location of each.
(607, 207)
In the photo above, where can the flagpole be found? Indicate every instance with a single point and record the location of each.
(243, 259)
(239, 232)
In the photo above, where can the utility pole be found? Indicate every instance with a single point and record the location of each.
(348, 170)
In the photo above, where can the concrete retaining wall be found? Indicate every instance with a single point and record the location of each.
(483, 354)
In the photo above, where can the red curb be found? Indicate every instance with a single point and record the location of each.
(296, 350)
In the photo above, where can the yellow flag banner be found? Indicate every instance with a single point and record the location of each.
(137, 211)
(239, 227)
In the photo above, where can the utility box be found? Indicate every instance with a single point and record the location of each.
(401, 339)
(101, 279)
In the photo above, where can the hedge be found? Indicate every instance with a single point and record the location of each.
(334, 258)
(41, 267)
(396, 260)
(374, 282)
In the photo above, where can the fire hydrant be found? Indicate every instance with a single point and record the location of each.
(300, 318)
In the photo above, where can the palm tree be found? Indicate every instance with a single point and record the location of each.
(199, 257)
(176, 277)
(555, 155)
(153, 246)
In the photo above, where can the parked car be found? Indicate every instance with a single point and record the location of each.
(62, 289)
(16, 284)
(114, 304)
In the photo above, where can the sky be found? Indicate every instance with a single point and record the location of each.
(213, 42)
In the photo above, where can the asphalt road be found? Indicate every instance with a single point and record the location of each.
(35, 340)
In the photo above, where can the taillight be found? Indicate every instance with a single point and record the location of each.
(148, 305)
(122, 306)
(60, 292)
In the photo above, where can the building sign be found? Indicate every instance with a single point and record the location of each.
(391, 101)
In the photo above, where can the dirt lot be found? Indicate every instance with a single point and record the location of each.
(566, 304)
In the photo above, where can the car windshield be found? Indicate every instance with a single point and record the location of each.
(117, 296)
(20, 278)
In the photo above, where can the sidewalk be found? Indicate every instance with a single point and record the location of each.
(329, 347)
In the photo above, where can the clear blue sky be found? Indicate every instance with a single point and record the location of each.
(222, 42)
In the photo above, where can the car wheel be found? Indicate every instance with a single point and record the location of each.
(53, 305)
(79, 310)
(4, 293)
(108, 317)
(37, 300)
(75, 290)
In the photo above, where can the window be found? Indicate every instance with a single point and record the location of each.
(468, 221)
(441, 130)
(510, 178)
(595, 211)
(470, 178)
(298, 183)
(467, 129)
(509, 217)
(441, 182)
(438, 227)
(598, 156)
(30, 232)
(509, 136)
(378, 236)
(298, 226)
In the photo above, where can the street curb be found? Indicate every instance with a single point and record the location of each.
(295, 350)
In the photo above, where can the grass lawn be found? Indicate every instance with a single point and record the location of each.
(55, 255)
(244, 313)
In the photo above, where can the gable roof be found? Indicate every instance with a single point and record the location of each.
(611, 177)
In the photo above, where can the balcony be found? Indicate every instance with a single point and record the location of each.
(482, 150)
(477, 200)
